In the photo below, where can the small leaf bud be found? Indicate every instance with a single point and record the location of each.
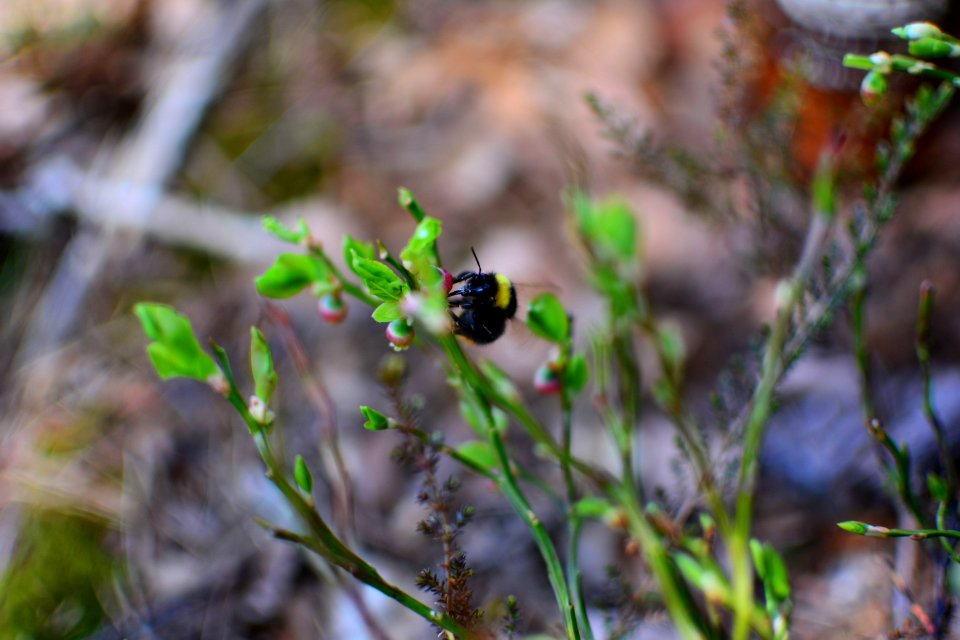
(873, 87)
(218, 383)
(301, 473)
(259, 411)
(917, 30)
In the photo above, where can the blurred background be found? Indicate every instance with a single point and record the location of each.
(142, 140)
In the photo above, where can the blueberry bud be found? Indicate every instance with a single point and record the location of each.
(400, 334)
(332, 309)
(547, 380)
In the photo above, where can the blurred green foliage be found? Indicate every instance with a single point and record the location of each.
(51, 589)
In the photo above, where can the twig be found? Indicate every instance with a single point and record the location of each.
(319, 398)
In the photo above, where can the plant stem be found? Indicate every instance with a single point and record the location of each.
(761, 407)
(507, 483)
(323, 540)
(929, 410)
(574, 523)
(677, 599)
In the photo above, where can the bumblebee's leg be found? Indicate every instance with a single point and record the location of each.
(458, 323)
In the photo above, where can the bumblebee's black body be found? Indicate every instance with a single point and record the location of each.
(486, 301)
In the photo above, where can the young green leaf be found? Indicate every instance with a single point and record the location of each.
(375, 421)
(387, 312)
(175, 351)
(609, 226)
(352, 246)
(293, 236)
(408, 202)
(261, 365)
(592, 507)
(547, 318)
(671, 344)
(479, 453)
(500, 380)
(423, 242)
(301, 473)
(576, 373)
(290, 274)
(938, 487)
(771, 569)
(378, 278)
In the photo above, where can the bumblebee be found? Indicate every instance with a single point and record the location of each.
(485, 302)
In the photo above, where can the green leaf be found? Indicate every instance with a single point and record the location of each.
(408, 202)
(938, 487)
(378, 278)
(932, 48)
(290, 274)
(706, 579)
(860, 528)
(671, 344)
(663, 393)
(387, 312)
(352, 246)
(575, 374)
(422, 244)
(856, 61)
(609, 226)
(771, 569)
(547, 318)
(591, 507)
(476, 417)
(301, 473)
(375, 421)
(500, 380)
(777, 579)
(823, 190)
(293, 236)
(261, 365)
(175, 351)
(479, 453)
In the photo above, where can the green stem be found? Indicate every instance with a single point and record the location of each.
(941, 524)
(574, 523)
(858, 321)
(761, 408)
(507, 483)
(515, 408)
(322, 540)
(629, 392)
(901, 460)
(677, 599)
(929, 410)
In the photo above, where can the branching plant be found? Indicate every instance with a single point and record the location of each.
(705, 561)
